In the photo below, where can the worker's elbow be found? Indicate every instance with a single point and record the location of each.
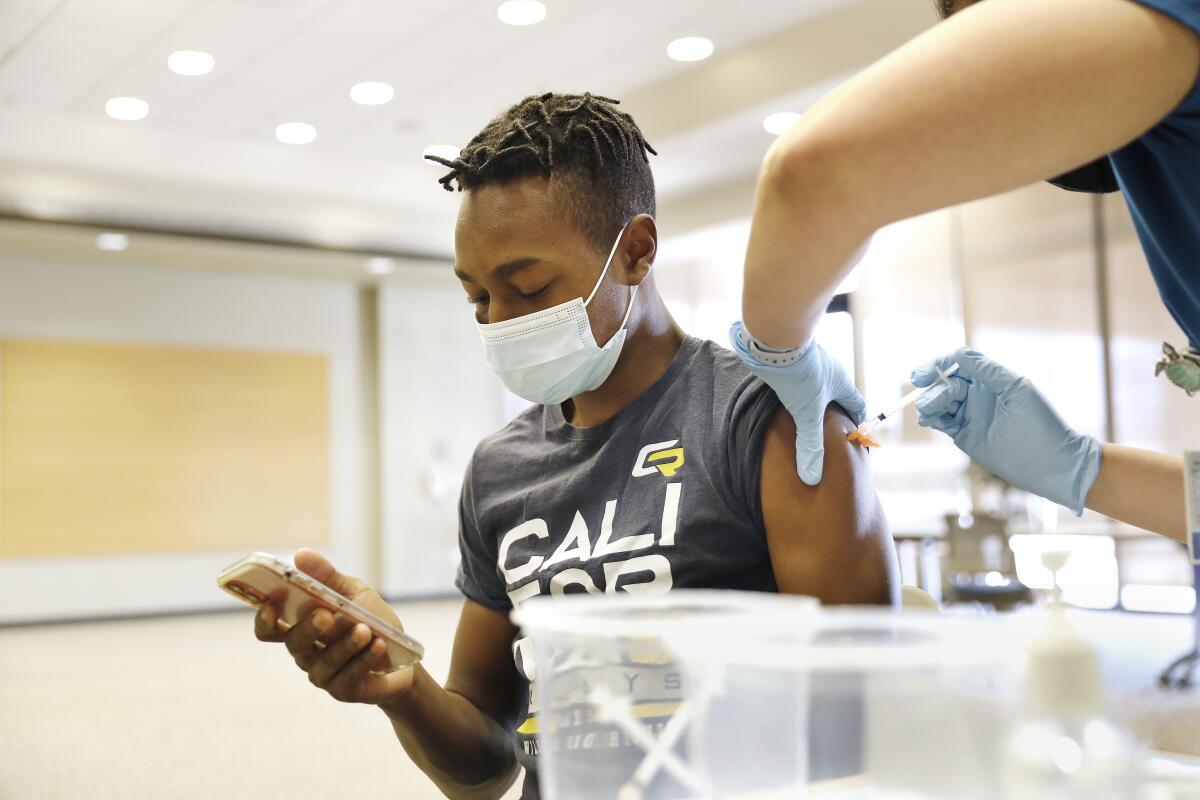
(806, 159)
(791, 167)
(816, 173)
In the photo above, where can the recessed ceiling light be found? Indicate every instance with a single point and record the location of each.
(380, 265)
(372, 93)
(690, 48)
(446, 151)
(129, 109)
(780, 121)
(115, 242)
(190, 62)
(295, 133)
(521, 12)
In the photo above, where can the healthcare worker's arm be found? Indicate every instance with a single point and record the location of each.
(457, 734)
(1003, 422)
(1142, 488)
(829, 541)
(1005, 93)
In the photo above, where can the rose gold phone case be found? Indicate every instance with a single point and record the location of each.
(261, 576)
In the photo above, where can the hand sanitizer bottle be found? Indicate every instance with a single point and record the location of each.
(1063, 747)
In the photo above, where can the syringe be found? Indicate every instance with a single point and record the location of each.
(862, 434)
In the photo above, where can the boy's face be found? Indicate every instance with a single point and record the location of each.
(518, 251)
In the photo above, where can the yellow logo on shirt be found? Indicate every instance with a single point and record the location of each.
(664, 457)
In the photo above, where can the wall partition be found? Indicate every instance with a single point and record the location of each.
(161, 422)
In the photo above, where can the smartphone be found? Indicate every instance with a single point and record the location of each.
(260, 578)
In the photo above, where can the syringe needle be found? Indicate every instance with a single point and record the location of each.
(862, 434)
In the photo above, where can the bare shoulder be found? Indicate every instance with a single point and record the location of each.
(830, 541)
(845, 463)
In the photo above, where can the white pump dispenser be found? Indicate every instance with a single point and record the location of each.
(1063, 747)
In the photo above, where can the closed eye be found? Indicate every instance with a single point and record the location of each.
(535, 294)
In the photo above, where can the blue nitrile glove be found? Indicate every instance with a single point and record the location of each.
(805, 388)
(1003, 422)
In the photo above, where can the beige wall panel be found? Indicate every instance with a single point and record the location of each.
(110, 448)
(1031, 295)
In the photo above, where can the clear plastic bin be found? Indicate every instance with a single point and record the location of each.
(851, 703)
(612, 705)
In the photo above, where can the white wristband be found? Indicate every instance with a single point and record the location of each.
(770, 355)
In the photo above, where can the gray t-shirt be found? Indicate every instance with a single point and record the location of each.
(663, 495)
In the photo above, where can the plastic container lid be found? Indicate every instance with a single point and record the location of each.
(653, 616)
(854, 640)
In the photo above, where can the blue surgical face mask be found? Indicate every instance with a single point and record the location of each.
(550, 356)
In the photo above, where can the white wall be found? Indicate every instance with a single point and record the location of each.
(438, 398)
(87, 301)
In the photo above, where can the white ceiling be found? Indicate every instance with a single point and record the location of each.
(206, 157)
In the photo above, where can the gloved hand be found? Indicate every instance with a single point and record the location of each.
(1003, 422)
(805, 388)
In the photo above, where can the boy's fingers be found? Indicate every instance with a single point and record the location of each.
(370, 677)
(353, 683)
(317, 566)
(267, 627)
(337, 654)
(303, 637)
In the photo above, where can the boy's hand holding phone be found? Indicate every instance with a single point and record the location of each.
(341, 656)
(349, 642)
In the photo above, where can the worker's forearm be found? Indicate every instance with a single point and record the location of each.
(1142, 488)
(465, 752)
(787, 289)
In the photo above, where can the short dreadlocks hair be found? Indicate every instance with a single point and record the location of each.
(594, 152)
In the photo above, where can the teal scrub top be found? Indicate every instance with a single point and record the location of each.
(1159, 175)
